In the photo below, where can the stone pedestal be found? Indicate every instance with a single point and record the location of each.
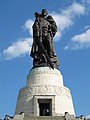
(44, 89)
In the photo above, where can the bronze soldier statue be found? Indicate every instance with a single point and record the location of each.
(43, 51)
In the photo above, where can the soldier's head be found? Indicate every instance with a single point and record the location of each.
(44, 12)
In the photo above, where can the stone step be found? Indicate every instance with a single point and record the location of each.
(43, 118)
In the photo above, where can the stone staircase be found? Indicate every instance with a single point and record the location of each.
(27, 117)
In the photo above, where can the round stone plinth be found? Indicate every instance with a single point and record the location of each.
(44, 86)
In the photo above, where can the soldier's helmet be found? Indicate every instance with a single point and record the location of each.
(44, 12)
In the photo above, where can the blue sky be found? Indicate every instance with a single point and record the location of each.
(72, 43)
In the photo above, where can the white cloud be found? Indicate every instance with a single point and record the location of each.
(22, 46)
(82, 38)
(65, 18)
(80, 41)
(75, 9)
(18, 49)
(28, 25)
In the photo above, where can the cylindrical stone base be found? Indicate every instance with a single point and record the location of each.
(44, 86)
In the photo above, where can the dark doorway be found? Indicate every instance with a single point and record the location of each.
(45, 107)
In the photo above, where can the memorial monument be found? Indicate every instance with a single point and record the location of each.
(44, 93)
